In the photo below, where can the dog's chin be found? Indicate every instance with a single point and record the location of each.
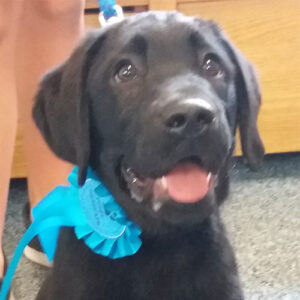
(182, 195)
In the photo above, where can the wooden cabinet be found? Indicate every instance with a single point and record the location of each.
(268, 33)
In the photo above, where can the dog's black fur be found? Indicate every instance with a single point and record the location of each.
(90, 113)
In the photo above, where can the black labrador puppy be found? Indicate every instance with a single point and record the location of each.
(152, 105)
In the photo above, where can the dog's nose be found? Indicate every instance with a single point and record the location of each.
(192, 116)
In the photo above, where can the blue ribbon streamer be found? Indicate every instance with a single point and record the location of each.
(31, 232)
(91, 210)
(107, 7)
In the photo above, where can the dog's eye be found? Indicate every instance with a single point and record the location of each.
(212, 66)
(126, 72)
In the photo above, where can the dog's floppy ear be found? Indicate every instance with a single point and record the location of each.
(61, 110)
(249, 100)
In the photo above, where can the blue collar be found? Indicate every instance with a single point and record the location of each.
(91, 210)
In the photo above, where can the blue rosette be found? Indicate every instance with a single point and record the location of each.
(108, 230)
(94, 214)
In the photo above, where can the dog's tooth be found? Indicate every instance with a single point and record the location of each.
(156, 206)
(164, 183)
(209, 176)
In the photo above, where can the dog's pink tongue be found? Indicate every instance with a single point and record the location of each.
(187, 183)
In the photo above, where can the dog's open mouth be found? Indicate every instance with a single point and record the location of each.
(187, 182)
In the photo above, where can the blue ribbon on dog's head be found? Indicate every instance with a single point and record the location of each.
(91, 210)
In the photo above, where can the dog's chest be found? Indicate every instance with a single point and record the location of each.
(184, 269)
(152, 275)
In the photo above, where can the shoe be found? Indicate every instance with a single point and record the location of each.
(11, 295)
(33, 250)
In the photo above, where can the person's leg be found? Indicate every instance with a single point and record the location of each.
(49, 31)
(9, 15)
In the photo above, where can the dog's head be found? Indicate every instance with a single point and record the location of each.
(152, 105)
